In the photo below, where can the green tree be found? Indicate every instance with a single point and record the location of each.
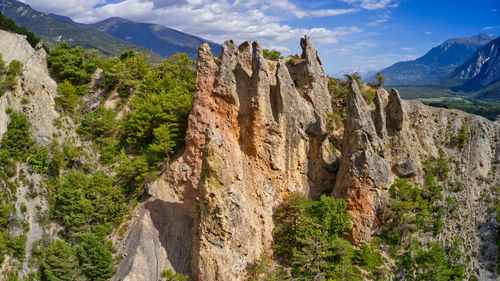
(60, 263)
(381, 79)
(83, 203)
(67, 96)
(126, 72)
(307, 238)
(95, 258)
(73, 64)
(16, 141)
(160, 110)
(272, 55)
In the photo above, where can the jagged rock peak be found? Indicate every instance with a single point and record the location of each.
(395, 112)
(308, 51)
(379, 114)
(358, 111)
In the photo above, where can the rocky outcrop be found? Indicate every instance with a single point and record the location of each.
(36, 90)
(363, 169)
(258, 131)
(395, 112)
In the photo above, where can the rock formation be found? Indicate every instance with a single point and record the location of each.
(36, 91)
(257, 132)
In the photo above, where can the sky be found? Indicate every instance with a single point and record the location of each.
(350, 35)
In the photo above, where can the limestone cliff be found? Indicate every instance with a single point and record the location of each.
(258, 130)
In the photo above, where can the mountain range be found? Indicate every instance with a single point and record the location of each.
(157, 38)
(436, 64)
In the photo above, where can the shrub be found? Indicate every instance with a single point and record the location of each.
(83, 203)
(462, 136)
(169, 275)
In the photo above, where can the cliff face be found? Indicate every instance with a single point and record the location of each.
(33, 96)
(259, 130)
(36, 86)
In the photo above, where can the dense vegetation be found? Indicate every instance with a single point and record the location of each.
(9, 25)
(488, 110)
(90, 193)
(309, 244)
(413, 213)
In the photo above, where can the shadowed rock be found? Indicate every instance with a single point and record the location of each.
(395, 112)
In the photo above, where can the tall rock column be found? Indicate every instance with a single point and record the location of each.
(362, 170)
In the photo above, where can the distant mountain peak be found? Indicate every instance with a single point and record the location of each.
(437, 63)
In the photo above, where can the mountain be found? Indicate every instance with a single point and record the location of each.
(157, 38)
(436, 64)
(53, 31)
(278, 175)
(481, 70)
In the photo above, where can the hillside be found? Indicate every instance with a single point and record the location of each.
(52, 31)
(436, 64)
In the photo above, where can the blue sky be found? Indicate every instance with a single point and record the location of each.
(351, 35)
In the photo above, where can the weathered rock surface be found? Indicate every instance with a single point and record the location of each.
(258, 131)
(34, 97)
(36, 90)
(404, 168)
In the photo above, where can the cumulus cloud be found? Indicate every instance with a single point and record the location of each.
(217, 20)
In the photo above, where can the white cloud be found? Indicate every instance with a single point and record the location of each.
(493, 10)
(490, 27)
(384, 18)
(373, 4)
(428, 33)
(216, 20)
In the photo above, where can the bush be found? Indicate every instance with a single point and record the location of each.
(169, 275)
(99, 126)
(462, 136)
(38, 158)
(67, 97)
(8, 75)
(125, 73)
